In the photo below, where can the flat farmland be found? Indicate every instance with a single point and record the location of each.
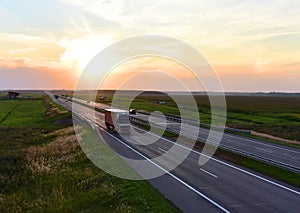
(278, 116)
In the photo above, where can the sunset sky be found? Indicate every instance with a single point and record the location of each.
(253, 45)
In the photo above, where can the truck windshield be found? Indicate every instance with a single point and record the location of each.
(123, 119)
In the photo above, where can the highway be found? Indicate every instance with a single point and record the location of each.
(275, 154)
(218, 186)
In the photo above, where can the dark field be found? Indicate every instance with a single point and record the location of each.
(277, 116)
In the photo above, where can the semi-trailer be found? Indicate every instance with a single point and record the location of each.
(117, 120)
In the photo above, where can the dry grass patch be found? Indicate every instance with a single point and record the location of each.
(275, 138)
(59, 132)
(48, 157)
(51, 108)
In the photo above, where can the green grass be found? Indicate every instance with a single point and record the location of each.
(43, 169)
(5, 107)
(288, 177)
(272, 171)
(28, 112)
(157, 131)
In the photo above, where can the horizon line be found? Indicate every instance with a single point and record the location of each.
(171, 91)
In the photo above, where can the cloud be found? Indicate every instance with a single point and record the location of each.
(238, 37)
(31, 78)
(34, 47)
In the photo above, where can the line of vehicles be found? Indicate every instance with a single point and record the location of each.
(115, 119)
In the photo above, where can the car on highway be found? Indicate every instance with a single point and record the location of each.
(132, 112)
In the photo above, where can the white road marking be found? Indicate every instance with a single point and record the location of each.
(167, 172)
(213, 143)
(170, 174)
(253, 204)
(257, 142)
(229, 165)
(161, 123)
(246, 139)
(209, 173)
(161, 149)
(224, 163)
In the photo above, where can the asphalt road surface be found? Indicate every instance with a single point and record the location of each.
(275, 154)
(218, 186)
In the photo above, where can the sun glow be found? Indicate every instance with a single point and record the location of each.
(79, 51)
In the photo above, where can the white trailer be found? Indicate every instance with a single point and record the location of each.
(117, 120)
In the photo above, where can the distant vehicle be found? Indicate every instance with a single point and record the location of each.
(161, 102)
(56, 96)
(132, 112)
(117, 120)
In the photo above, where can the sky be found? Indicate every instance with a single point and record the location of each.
(253, 45)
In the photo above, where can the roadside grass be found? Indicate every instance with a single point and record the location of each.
(283, 175)
(54, 105)
(272, 171)
(43, 169)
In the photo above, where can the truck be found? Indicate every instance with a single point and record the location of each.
(117, 120)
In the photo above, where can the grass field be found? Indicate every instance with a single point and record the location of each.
(6, 107)
(43, 169)
(24, 113)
